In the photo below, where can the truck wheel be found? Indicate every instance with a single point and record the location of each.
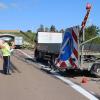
(98, 72)
(37, 58)
(95, 70)
(37, 55)
(53, 60)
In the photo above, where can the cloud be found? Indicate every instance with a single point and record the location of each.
(13, 5)
(3, 5)
(10, 5)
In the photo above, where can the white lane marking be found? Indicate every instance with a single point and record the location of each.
(70, 83)
(77, 88)
(25, 53)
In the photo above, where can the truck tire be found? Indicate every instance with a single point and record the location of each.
(36, 55)
(54, 59)
(95, 69)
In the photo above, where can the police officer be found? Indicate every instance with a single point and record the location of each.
(5, 48)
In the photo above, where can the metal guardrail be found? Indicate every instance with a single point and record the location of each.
(91, 53)
(89, 40)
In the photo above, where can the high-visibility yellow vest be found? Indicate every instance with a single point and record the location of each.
(6, 50)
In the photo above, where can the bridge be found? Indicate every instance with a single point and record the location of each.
(7, 37)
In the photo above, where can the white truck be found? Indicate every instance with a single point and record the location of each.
(18, 41)
(48, 45)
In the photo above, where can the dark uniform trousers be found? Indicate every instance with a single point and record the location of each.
(6, 64)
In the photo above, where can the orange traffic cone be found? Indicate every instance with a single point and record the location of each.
(84, 80)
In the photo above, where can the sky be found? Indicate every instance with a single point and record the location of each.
(30, 14)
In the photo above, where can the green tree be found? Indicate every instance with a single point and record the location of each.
(41, 28)
(62, 31)
(91, 31)
(28, 36)
(46, 29)
(52, 28)
(29, 31)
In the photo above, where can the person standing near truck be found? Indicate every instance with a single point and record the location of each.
(5, 48)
